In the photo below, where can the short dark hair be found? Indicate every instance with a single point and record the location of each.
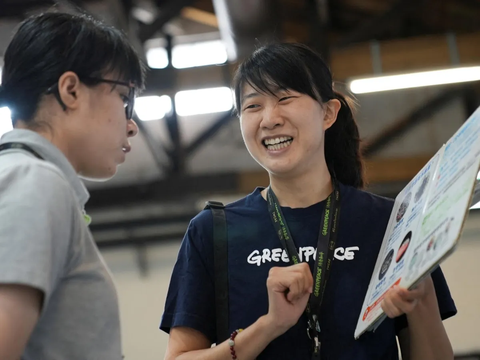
(299, 68)
(48, 45)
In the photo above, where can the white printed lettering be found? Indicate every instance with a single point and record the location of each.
(276, 253)
(254, 258)
(266, 256)
(309, 251)
(349, 252)
(306, 254)
(338, 251)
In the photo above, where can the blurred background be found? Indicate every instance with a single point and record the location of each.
(190, 149)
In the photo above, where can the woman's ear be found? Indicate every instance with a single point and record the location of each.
(332, 107)
(68, 87)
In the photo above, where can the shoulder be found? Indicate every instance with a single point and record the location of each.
(29, 176)
(200, 230)
(365, 214)
(363, 200)
(232, 210)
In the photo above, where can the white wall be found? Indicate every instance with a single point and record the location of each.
(142, 298)
(462, 271)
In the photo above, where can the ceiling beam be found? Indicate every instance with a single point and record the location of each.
(381, 170)
(407, 55)
(396, 56)
(377, 25)
(167, 11)
(199, 16)
(422, 113)
(179, 188)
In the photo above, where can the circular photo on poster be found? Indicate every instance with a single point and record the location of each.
(386, 264)
(404, 206)
(421, 189)
(403, 246)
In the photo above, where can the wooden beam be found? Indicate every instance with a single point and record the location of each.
(398, 56)
(200, 16)
(407, 55)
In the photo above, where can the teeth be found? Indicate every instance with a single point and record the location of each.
(277, 140)
(279, 146)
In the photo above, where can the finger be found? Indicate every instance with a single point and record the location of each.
(410, 295)
(404, 306)
(296, 287)
(303, 270)
(389, 309)
(274, 280)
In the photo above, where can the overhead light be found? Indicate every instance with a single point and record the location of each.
(153, 107)
(414, 80)
(199, 54)
(157, 58)
(190, 55)
(203, 101)
(5, 120)
(143, 15)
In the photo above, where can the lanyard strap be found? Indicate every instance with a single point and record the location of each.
(16, 145)
(327, 238)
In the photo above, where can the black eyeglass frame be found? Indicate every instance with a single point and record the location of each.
(132, 93)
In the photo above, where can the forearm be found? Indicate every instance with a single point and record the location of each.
(428, 338)
(248, 344)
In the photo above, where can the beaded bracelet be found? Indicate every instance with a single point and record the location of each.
(231, 343)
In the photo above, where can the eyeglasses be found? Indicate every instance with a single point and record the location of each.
(128, 101)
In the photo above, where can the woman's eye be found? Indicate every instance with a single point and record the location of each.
(286, 98)
(253, 106)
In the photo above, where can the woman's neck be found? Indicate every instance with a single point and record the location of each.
(54, 135)
(302, 191)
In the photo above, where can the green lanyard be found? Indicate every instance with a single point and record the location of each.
(327, 238)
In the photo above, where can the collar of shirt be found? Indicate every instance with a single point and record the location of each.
(51, 154)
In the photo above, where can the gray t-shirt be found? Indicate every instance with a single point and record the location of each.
(45, 243)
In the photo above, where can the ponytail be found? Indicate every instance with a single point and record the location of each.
(342, 146)
(3, 101)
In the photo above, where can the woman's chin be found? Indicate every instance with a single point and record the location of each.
(99, 174)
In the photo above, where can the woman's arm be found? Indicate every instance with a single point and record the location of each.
(186, 343)
(425, 338)
(289, 289)
(19, 311)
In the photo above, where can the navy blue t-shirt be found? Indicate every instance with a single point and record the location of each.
(254, 247)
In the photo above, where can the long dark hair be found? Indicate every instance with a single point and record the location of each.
(48, 45)
(297, 67)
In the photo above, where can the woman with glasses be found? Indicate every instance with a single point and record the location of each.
(70, 83)
(301, 252)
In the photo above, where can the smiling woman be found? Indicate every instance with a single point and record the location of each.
(70, 83)
(304, 135)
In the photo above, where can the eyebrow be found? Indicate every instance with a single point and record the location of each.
(275, 90)
(249, 96)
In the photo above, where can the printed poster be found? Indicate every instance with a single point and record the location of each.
(426, 220)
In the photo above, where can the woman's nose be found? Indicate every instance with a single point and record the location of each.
(132, 128)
